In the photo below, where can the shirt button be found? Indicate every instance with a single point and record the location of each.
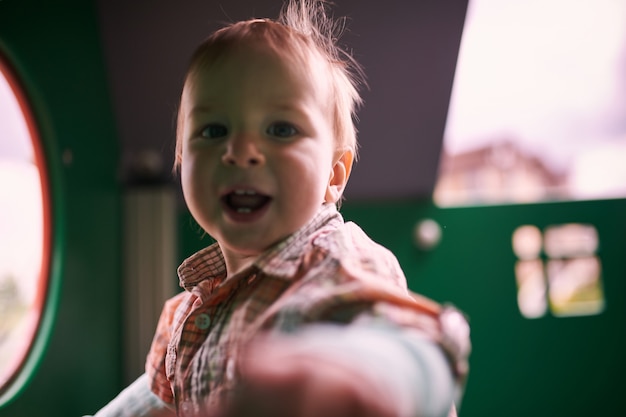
(203, 321)
(230, 369)
(186, 409)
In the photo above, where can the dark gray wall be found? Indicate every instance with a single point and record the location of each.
(408, 49)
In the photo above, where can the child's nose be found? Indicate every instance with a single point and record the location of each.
(243, 150)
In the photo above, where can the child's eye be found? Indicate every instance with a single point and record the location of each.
(282, 130)
(214, 131)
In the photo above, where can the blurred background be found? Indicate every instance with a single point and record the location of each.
(492, 163)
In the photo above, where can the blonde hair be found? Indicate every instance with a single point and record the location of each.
(303, 31)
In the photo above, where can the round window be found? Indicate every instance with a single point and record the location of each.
(25, 235)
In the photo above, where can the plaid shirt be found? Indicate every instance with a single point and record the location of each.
(329, 271)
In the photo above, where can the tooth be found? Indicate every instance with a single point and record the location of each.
(240, 192)
(244, 210)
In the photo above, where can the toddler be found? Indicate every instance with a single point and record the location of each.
(292, 312)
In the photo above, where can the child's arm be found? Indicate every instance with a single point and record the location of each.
(137, 400)
(334, 370)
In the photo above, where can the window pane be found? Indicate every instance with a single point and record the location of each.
(538, 108)
(23, 231)
(531, 288)
(575, 286)
(558, 268)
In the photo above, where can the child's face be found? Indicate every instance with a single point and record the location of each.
(258, 154)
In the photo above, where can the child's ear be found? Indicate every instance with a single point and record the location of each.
(339, 175)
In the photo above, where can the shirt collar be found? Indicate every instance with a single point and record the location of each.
(281, 260)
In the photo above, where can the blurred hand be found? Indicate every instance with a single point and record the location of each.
(282, 377)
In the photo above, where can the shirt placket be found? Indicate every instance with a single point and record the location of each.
(197, 323)
(209, 311)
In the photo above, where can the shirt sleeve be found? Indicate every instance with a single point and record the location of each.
(406, 368)
(409, 344)
(156, 371)
(136, 401)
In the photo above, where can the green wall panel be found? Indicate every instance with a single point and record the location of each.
(549, 366)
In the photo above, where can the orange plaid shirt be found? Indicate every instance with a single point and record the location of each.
(329, 271)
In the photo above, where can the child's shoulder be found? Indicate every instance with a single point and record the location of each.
(354, 250)
(347, 237)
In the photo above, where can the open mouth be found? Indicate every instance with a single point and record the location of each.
(244, 202)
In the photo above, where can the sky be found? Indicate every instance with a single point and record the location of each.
(14, 138)
(550, 72)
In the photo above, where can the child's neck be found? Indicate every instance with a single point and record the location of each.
(236, 263)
